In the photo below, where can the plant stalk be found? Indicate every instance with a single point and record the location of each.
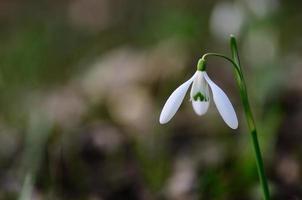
(247, 110)
(250, 119)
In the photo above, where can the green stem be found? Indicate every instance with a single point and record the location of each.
(250, 119)
(248, 113)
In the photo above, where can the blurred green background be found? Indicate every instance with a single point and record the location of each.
(82, 84)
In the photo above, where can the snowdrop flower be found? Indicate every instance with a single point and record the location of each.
(200, 98)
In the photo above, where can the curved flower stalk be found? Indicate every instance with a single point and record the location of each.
(200, 98)
(247, 111)
(200, 101)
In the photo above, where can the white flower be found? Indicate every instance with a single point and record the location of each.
(200, 98)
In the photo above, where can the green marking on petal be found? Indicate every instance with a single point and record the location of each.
(199, 97)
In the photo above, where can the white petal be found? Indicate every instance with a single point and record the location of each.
(197, 85)
(200, 107)
(174, 101)
(223, 104)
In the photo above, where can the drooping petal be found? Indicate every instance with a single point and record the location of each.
(200, 107)
(223, 104)
(174, 101)
(200, 94)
